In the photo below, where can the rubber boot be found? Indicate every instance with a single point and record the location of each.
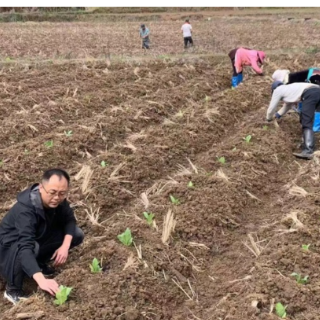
(234, 82)
(240, 78)
(308, 145)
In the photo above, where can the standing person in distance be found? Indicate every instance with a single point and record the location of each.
(144, 35)
(187, 33)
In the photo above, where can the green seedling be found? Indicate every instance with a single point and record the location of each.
(49, 144)
(1, 163)
(207, 99)
(68, 133)
(95, 266)
(222, 160)
(299, 278)
(190, 184)
(103, 164)
(174, 200)
(305, 247)
(62, 295)
(126, 237)
(247, 139)
(265, 127)
(234, 149)
(281, 310)
(149, 217)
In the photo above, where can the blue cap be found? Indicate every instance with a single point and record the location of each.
(275, 85)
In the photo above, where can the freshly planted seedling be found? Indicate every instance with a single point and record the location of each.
(68, 133)
(299, 278)
(49, 144)
(149, 217)
(95, 266)
(234, 149)
(1, 163)
(305, 247)
(103, 164)
(126, 237)
(62, 295)
(222, 160)
(281, 310)
(265, 127)
(190, 184)
(174, 200)
(207, 99)
(247, 139)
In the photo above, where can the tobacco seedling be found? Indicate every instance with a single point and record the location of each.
(247, 139)
(190, 184)
(305, 247)
(103, 164)
(299, 279)
(68, 133)
(222, 160)
(265, 127)
(174, 200)
(62, 295)
(149, 217)
(49, 144)
(95, 266)
(1, 163)
(281, 310)
(126, 237)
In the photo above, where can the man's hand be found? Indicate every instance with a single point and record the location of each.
(48, 285)
(60, 256)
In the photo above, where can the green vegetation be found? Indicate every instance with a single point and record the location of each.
(95, 266)
(222, 160)
(305, 247)
(174, 200)
(68, 133)
(62, 295)
(49, 144)
(149, 217)
(103, 164)
(299, 278)
(247, 139)
(190, 184)
(281, 310)
(126, 237)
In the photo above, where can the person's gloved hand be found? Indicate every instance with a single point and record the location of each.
(277, 115)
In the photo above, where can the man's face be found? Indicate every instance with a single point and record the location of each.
(54, 191)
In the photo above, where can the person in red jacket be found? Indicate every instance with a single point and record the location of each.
(40, 227)
(241, 57)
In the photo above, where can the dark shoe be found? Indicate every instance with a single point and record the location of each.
(14, 295)
(47, 270)
(308, 145)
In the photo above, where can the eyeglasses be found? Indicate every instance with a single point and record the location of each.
(53, 193)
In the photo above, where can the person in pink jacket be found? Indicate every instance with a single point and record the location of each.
(241, 57)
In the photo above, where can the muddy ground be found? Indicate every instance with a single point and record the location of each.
(159, 124)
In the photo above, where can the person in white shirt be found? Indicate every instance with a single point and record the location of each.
(291, 94)
(187, 33)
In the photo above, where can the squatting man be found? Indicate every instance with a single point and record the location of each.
(40, 227)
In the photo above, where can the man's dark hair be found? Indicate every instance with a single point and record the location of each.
(55, 172)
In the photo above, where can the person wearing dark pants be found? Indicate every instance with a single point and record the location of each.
(236, 77)
(310, 103)
(187, 33)
(241, 57)
(40, 227)
(144, 35)
(291, 94)
(188, 40)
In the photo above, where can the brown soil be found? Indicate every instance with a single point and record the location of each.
(158, 125)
